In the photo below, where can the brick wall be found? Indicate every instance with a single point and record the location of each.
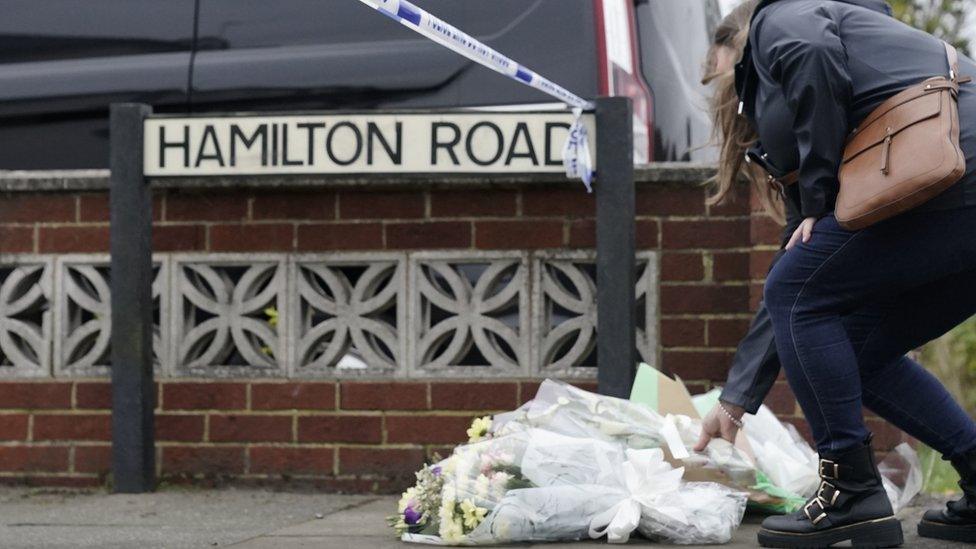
(363, 435)
(352, 436)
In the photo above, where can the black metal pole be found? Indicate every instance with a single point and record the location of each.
(133, 397)
(615, 247)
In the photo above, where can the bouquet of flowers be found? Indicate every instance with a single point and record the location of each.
(569, 465)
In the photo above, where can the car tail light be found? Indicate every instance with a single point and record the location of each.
(619, 66)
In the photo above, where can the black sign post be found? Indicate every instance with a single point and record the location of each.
(133, 394)
(616, 309)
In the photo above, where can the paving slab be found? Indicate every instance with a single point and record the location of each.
(250, 519)
(363, 526)
(171, 519)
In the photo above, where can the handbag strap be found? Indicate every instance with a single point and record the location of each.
(953, 58)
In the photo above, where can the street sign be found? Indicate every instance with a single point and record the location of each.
(454, 142)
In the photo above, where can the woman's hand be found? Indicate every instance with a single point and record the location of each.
(803, 232)
(719, 425)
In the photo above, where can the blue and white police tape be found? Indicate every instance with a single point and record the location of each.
(576, 151)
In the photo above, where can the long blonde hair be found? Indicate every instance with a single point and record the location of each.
(731, 131)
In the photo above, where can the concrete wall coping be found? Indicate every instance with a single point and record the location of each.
(98, 180)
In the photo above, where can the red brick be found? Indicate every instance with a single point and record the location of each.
(250, 428)
(582, 233)
(589, 386)
(737, 203)
(340, 428)
(15, 240)
(730, 266)
(73, 427)
(206, 207)
(179, 427)
(727, 332)
(698, 365)
(398, 461)
(96, 395)
(357, 395)
(93, 459)
(781, 400)
(432, 429)
(480, 203)
(35, 395)
(670, 200)
(381, 205)
(37, 208)
(760, 262)
(73, 239)
(436, 234)
(294, 205)
(270, 460)
(293, 396)
(764, 230)
(574, 202)
(679, 332)
(682, 267)
(519, 234)
(203, 396)
(251, 238)
(704, 299)
(95, 207)
(225, 460)
(647, 234)
(179, 238)
(528, 390)
(473, 396)
(705, 234)
(33, 459)
(13, 426)
(340, 236)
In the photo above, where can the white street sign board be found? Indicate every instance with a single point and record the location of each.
(456, 142)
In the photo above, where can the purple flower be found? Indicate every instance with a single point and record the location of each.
(436, 470)
(410, 515)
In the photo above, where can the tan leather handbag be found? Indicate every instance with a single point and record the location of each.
(904, 153)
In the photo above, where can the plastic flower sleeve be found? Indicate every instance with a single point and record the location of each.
(901, 475)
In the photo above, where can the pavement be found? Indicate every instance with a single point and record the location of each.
(177, 518)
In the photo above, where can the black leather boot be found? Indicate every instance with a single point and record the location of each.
(850, 504)
(957, 521)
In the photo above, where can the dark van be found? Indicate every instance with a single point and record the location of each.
(62, 62)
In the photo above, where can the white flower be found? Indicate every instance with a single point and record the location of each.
(473, 515)
(479, 428)
(499, 483)
(481, 486)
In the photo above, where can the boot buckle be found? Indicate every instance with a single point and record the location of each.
(835, 470)
(833, 496)
(820, 504)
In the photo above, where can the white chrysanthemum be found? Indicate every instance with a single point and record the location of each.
(482, 486)
(479, 428)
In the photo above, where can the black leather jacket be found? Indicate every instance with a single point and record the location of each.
(813, 69)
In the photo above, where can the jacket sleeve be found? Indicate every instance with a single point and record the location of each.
(798, 47)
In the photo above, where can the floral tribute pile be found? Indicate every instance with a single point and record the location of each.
(572, 465)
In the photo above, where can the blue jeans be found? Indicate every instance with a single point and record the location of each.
(846, 307)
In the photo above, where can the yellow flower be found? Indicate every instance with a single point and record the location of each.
(472, 514)
(272, 314)
(479, 428)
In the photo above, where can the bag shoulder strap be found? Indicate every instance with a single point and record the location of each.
(953, 57)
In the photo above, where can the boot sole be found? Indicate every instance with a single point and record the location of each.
(883, 532)
(952, 532)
